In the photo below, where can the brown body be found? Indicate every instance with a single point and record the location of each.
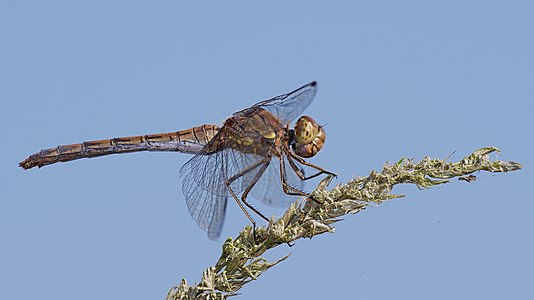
(229, 160)
(188, 141)
(251, 132)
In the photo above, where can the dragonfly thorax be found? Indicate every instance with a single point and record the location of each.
(308, 137)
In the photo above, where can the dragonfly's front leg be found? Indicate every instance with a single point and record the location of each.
(303, 162)
(288, 189)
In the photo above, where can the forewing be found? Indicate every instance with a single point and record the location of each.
(288, 106)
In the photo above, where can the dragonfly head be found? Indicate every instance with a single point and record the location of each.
(308, 136)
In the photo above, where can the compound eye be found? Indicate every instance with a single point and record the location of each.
(309, 137)
(306, 129)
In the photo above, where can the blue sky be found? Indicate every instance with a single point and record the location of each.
(396, 79)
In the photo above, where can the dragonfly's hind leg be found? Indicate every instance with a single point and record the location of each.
(261, 170)
(262, 164)
(251, 185)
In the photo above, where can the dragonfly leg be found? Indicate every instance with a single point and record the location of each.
(302, 161)
(261, 170)
(300, 174)
(251, 185)
(288, 189)
(296, 169)
(241, 206)
(263, 163)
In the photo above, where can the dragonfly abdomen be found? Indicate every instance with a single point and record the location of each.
(187, 141)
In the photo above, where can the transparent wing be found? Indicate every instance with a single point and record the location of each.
(206, 208)
(268, 188)
(210, 171)
(205, 175)
(288, 106)
(204, 185)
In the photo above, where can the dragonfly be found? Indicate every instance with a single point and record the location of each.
(254, 152)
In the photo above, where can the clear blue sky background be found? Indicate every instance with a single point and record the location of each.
(396, 79)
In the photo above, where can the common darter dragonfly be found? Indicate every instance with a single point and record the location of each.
(254, 152)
